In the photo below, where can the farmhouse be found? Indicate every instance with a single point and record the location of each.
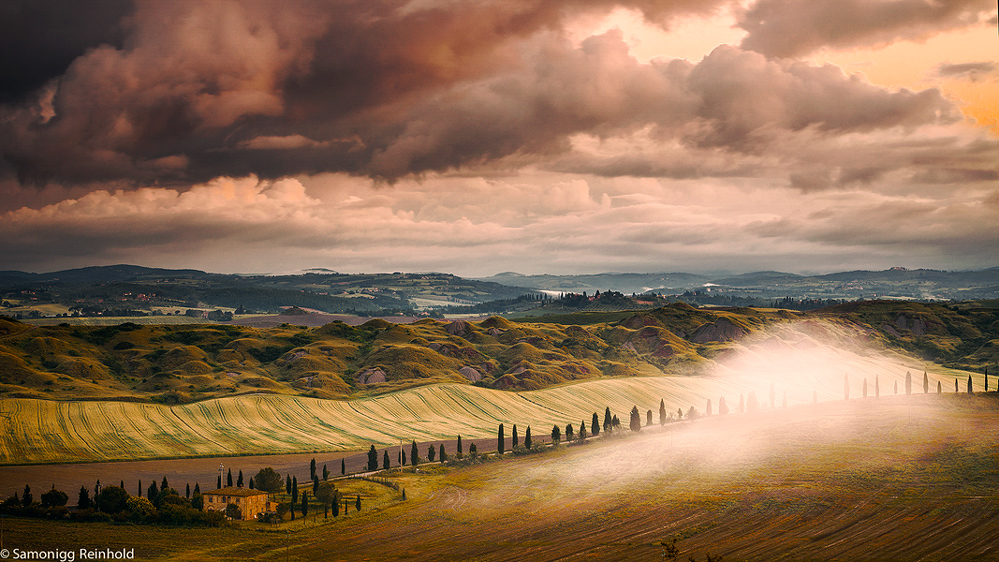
(251, 503)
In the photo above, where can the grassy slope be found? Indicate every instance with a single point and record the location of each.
(890, 480)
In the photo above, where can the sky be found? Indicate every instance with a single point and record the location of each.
(482, 136)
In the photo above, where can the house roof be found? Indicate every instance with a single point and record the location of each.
(230, 491)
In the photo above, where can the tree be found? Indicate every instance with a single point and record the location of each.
(499, 440)
(287, 483)
(312, 469)
(294, 490)
(569, 432)
(26, 499)
(239, 481)
(233, 512)
(187, 492)
(460, 451)
(357, 504)
(54, 498)
(648, 417)
(403, 461)
(926, 383)
(908, 383)
(198, 501)
(112, 499)
(443, 454)
(722, 406)
(219, 485)
(326, 473)
(152, 492)
(594, 426)
(197, 488)
(268, 480)
(386, 463)
(955, 387)
(692, 413)
(305, 504)
(343, 467)
(616, 423)
(608, 421)
(582, 430)
(414, 457)
(556, 434)
(527, 436)
(83, 499)
(164, 484)
(431, 453)
(228, 479)
(372, 459)
(139, 492)
(662, 411)
(707, 408)
(327, 494)
(516, 440)
(473, 450)
(636, 420)
(939, 388)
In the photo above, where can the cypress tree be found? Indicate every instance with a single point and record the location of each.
(294, 489)
(582, 430)
(648, 417)
(312, 469)
(414, 456)
(443, 454)
(239, 480)
(431, 453)
(187, 493)
(122, 485)
(139, 493)
(556, 434)
(516, 440)
(939, 388)
(343, 466)
(165, 484)
(358, 503)
(636, 420)
(403, 462)
(926, 383)
(908, 383)
(499, 440)
(27, 498)
(460, 450)
(228, 479)
(287, 483)
(197, 488)
(252, 487)
(527, 436)
(305, 503)
(385, 460)
(722, 406)
(955, 387)
(662, 410)
(473, 450)
(82, 500)
(608, 422)
(219, 486)
(594, 426)
(569, 432)
(315, 485)
(372, 459)
(326, 473)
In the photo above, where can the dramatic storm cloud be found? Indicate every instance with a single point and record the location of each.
(488, 135)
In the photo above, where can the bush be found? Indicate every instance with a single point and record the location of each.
(54, 498)
(140, 509)
(112, 499)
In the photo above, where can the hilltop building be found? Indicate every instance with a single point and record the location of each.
(251, 503)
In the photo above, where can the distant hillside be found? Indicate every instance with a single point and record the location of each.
(920, 284)
(184, 363)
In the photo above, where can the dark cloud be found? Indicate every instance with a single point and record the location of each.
(788, 28)
(972, 71)
(40, 38)
(385, 89)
